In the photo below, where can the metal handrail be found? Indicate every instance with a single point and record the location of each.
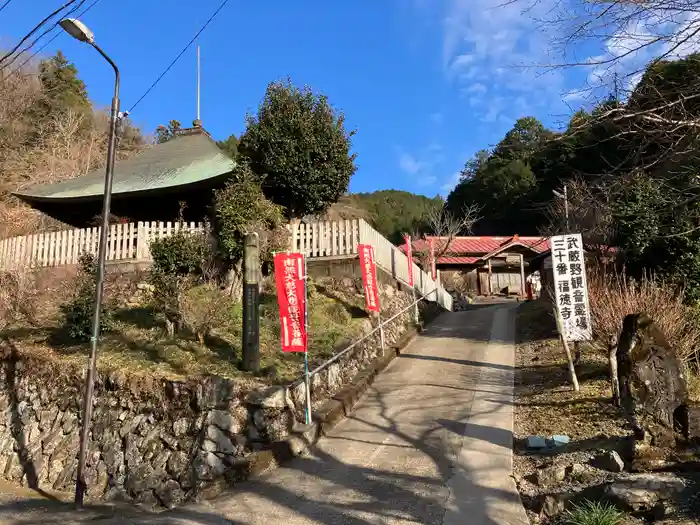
(333, 359)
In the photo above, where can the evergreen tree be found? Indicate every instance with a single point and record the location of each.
(229, 146)
(298, 145)
(62, 90)
(165, 133)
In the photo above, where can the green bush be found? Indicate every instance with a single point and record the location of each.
(240, 207)
(78, 312)
(182, 254)
(203, 309)
(593, 513)
(180, 262)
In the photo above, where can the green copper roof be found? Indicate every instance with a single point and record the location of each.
(185, 159)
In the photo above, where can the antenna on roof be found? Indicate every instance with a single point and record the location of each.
(198, 122)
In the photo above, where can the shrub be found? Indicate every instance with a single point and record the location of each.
(204, 308)
(180, 262)
(613, 295)
(182, 254)
(241, 207)
(593, 513)
(77, 313)
(18, 297)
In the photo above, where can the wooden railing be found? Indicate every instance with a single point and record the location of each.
(340, 239)
(125, 242)
(131, 243)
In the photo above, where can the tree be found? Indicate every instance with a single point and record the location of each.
(634, 36)
(240, 208)
(297, 144)
(62, 90)
(501, 181)
(439, 221)
(165, 133)
(393, 213)
(229, 146)
(49, 132)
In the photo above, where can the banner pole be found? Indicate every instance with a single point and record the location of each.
(381, 331)
(307, 378)
(416, 312)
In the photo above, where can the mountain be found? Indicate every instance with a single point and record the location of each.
(391, 212)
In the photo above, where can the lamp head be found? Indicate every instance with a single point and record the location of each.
(77, 30)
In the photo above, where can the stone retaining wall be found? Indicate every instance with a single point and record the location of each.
(158, 442)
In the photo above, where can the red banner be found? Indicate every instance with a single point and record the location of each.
(291, 298)
(409, 255)
(369, 276)
(433, 268)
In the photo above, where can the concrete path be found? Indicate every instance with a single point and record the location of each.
(429, 444)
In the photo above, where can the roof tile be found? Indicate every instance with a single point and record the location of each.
(479, 246)
(185, 159)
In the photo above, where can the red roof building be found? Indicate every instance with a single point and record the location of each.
(488, 264)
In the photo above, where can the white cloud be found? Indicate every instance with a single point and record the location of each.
(674, 33)
(575, 96)
(409, 164)
(477, 87)
(492, 46)
(427, 180)
(499, 48)
(450, 183)
(420, 166)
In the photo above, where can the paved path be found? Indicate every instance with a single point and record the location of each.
(429, 444)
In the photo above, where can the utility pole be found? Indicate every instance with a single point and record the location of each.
(565, 197)
(250, 360)
(566, 207)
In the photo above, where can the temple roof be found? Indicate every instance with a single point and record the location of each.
(190, 157)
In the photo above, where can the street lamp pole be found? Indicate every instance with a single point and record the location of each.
(80, 31)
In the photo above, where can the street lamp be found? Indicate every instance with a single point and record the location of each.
(81, 32)
(565, 197)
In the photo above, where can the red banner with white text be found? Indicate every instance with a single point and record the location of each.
(369, 276)
(433, 268)
(291, 298)
(409, 255)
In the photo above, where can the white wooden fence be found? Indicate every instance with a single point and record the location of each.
(131, 243)
(334, 239)
(125, 242)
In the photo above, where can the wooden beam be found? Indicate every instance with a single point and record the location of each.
(489, 277)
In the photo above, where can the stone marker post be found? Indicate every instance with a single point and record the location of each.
(250, 360)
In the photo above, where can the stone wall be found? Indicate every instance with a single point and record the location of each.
(157, 441)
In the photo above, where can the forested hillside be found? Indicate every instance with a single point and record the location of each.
(49, 131)
(391, 212)
(630, 167)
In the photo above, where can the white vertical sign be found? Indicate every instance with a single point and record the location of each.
(570, 287)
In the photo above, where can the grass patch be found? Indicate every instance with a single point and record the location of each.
(535, 321)
(138, 342)
(593, 513)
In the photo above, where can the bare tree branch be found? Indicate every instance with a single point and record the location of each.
(444, 226)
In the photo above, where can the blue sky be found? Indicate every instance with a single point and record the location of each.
(426, 82)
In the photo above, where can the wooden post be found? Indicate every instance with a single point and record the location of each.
(250, 359)
(140, 241)
(572, 370)
(489, 279)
